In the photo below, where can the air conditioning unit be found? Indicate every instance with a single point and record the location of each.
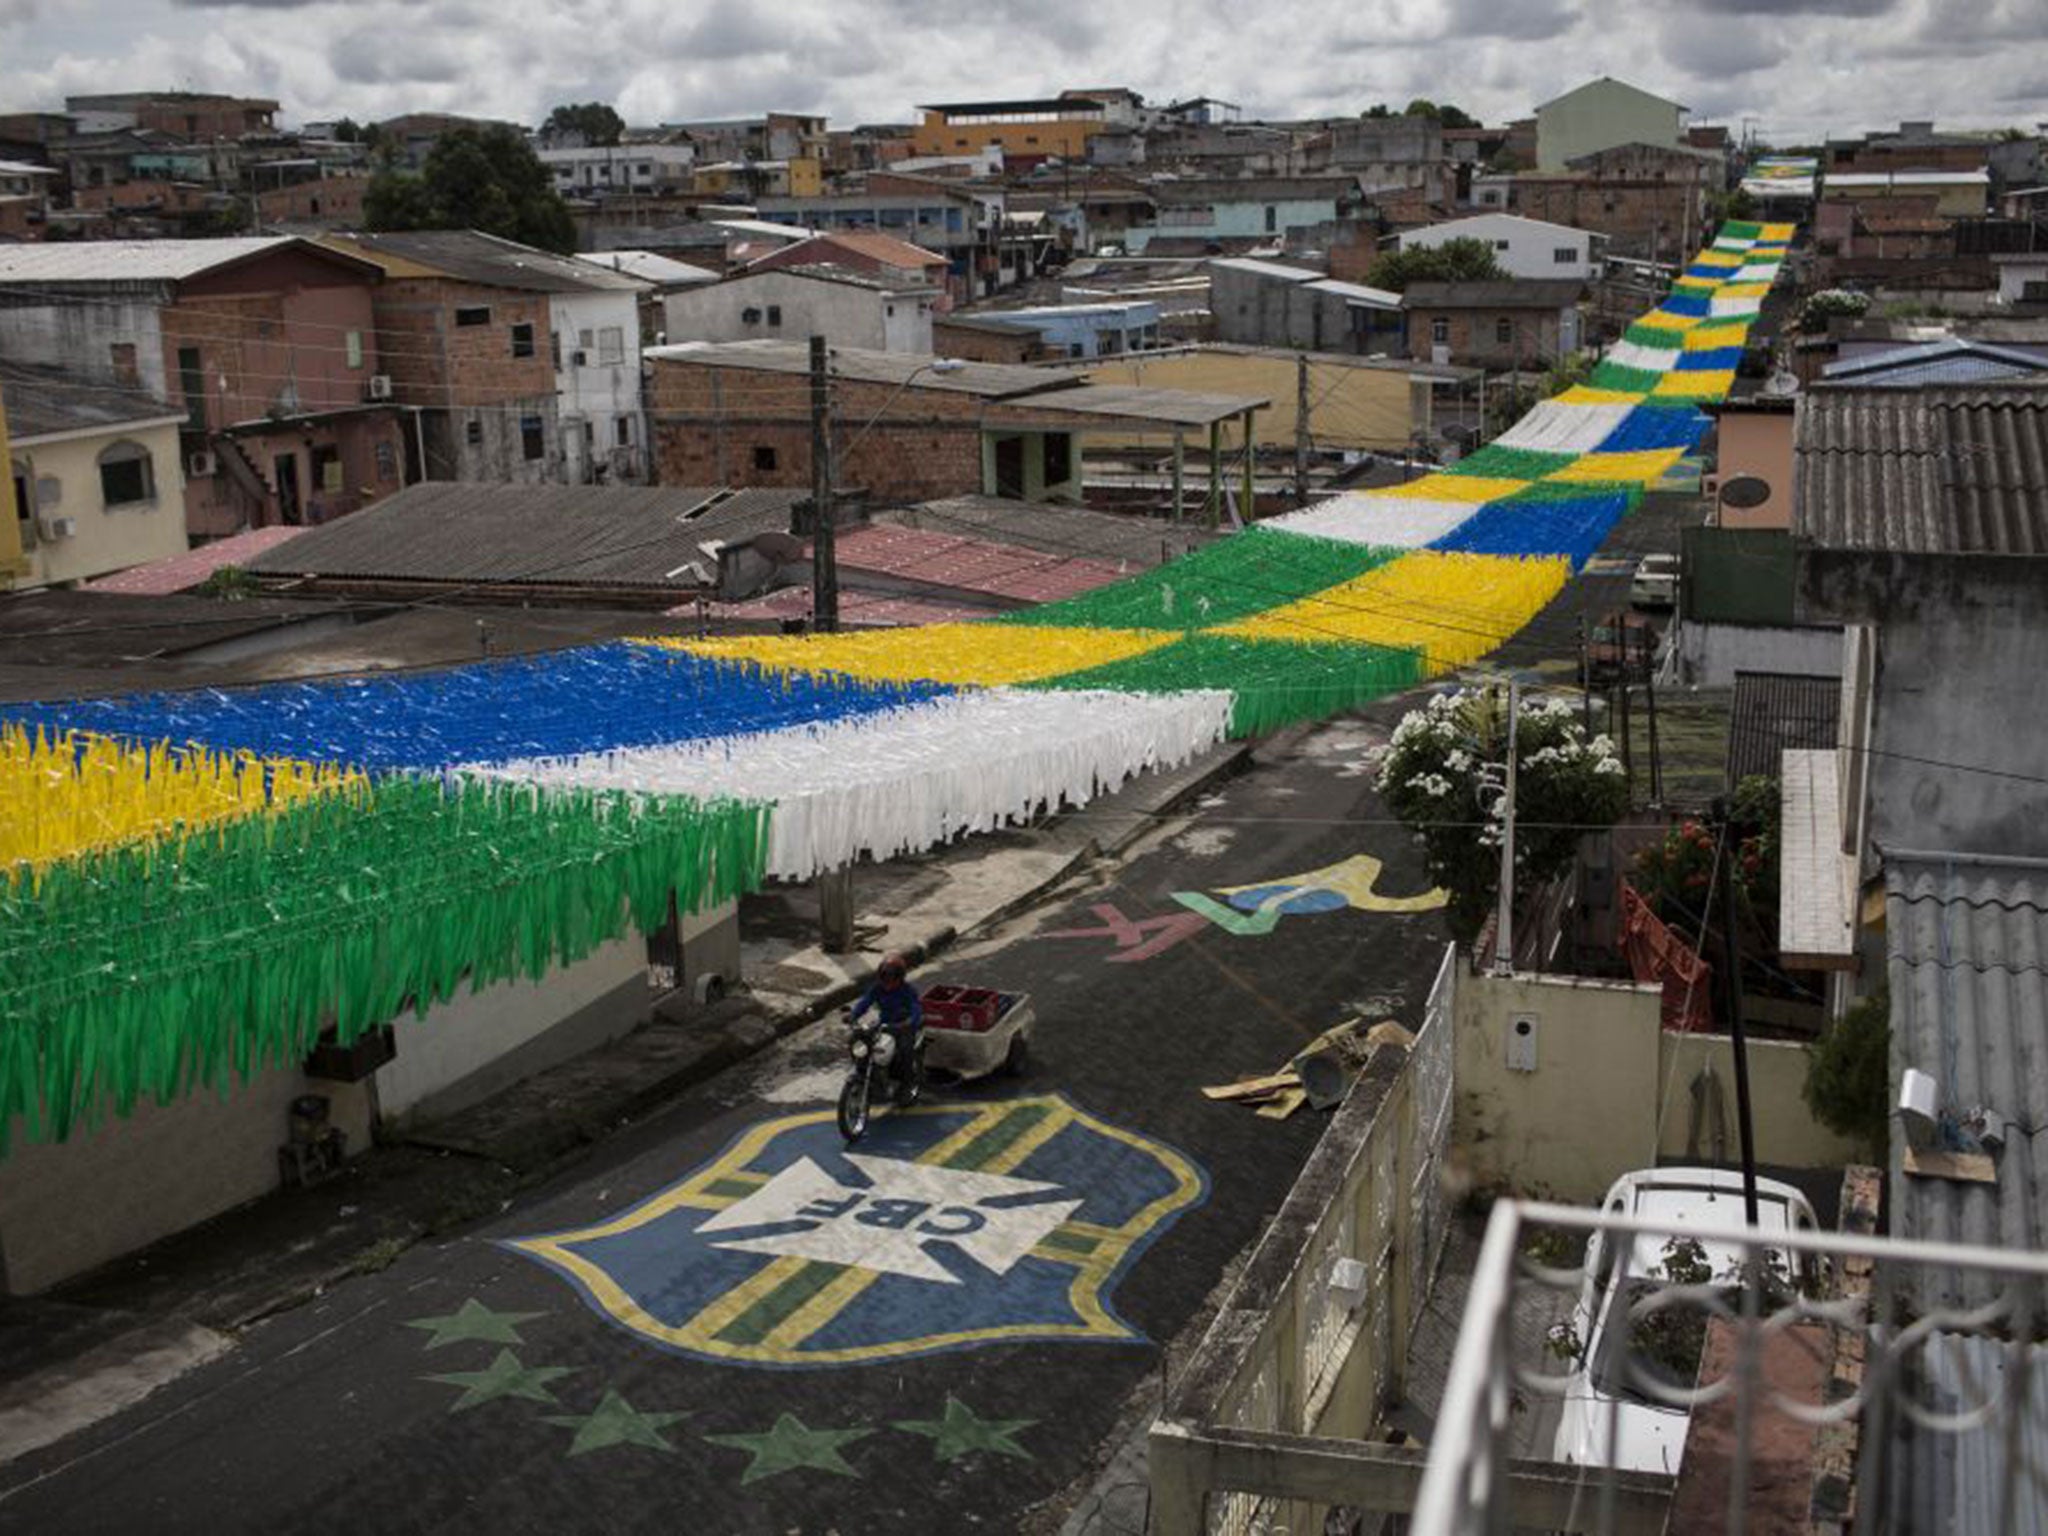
(58, 527)
(201, 466)
(379, 387)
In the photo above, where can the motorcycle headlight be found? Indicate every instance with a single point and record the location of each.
(885, 1049)
(860, 1050)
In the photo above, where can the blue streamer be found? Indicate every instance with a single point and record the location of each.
(591, 699)
(1537, 526)
(1698, 305)
(1709, 359)
(1649, 427)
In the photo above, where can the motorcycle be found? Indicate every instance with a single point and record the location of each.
(873, 1050)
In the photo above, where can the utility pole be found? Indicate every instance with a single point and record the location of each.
(1586, 675)
(1650, 702)
(1731, 950)
(1504, 924)
(1628, 761)
(824, 535)
(1301, 430)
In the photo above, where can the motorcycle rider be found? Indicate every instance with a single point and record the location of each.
(896, 1003)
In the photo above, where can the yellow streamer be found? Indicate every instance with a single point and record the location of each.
(1718, 259)
(1587, 394)
(1742, 290)
(64, 794)
(968, 655)
(1709, 384)
(1455, 606)
(1644, 467)
(1470, 488)
(1708, 338)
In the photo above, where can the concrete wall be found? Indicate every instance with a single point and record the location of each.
(1756, 443)
(1523, 247)
(1255, 310)
(65, 476)
(845, 315)
(1709, 655)
(1611, 1090)
(72, 1206)
(598, 398)
(1600, 115)
(80, 336)
(476, 1043)
(1349, 406)
(1961, 651)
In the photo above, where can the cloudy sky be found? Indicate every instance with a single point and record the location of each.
(1800, 67)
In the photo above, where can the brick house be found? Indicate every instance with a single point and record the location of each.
(267, 345)
(328, 202)
(740, 414)
(1526, 323)
(486, 337)
(1650, 200)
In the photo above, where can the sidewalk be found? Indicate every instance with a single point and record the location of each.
(97, 1340)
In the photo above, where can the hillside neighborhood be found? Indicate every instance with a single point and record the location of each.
(1080, 815)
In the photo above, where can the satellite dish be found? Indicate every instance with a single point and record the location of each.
(1745, 491)
(780, 547)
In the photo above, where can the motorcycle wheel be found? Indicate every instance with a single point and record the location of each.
(853, 1107)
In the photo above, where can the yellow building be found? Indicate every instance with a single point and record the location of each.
(94, 476)
(1026, 130)
(1361, 403)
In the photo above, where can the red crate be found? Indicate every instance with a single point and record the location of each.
(974, 1009)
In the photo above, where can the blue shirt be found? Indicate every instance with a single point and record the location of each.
(897, 1005)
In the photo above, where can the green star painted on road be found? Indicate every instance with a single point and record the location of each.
(962, 1432)
(473, 1320)
(616, 1422)
(506, 1377)
(792, 1444)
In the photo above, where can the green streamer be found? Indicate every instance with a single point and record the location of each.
(155, 970)
(1619, 376)
(1498, 462)
(1644, 334)
(1275, 682)
(1234, 578)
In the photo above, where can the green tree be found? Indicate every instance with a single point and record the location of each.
(1378, 109)
(487, 179)
(1455, 261)
(1431, 779)
(1442, 111)
(1848, 1074)
(594, 120)
(348, 131)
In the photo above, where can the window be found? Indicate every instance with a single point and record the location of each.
(1565, 255)
(611, 345)
(1504, 331)
(473, 433)
(1059, 458)
(24, 503)
(532, 438)
(625, 431)
(387, 461)
(775, 314)
(1440, 331)
(764, 456)
(473, 314)
(1500, 245)
(522, 339)
(327, 470)
(589, 435)
(750, 315)
(583, 340)
(352, 344)
(123, 354)
(1272, 218)
(127, 478)
(192, 382)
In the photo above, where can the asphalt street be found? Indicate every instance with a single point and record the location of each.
(721, 1322)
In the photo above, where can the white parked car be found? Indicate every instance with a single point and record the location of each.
(1610, 1420)
(1656, 582)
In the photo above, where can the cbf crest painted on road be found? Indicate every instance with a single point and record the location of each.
(950, 1225)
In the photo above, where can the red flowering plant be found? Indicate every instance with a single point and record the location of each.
(1677, 875)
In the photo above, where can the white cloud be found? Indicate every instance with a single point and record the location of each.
(1798, 66)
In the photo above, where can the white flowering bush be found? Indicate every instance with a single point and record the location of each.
(1431, 776)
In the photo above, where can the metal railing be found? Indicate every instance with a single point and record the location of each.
(1819, 1369)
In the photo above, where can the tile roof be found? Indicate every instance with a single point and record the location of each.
(43, 402)
(857, 609)
(1941, 470)
(972, 565)
(1511, 293)
(1776, 711)
(860, 365)
(1966, 942)
(179, 573)
(886, 249)
(1127, 543)
(555, 535)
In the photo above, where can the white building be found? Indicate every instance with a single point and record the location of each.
(1523, 247)
(595, 336)
(602, 170)
(849, 309)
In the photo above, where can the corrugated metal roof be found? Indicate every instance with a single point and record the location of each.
(580, 535)
(1966, 942)
(649, 266)
(1954, 1479)
(1127, 543)
(44, 402)
(480, 258)
(862, 365)
(1505, 293)
(1177, 407)
(1947, 360)
(969, 564)
(1272, 269)
(1773, 712)
(128, 261)
(1946, 470)
(1358, 293)
(177, 573)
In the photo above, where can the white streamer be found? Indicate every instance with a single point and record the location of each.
(1555, 427)
(1384, 522)
(909, 779)
(1633, 354)
(1736, 309)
